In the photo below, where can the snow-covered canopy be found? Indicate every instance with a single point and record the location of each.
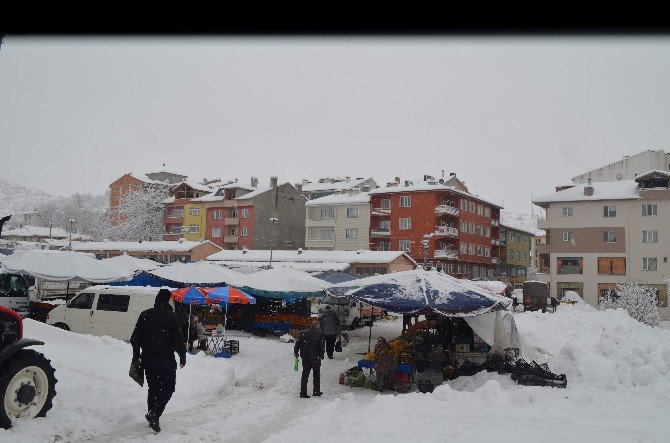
(131, 263)
(307, 267)
(201, 272)
(37, 231)
(494, 286)
(282, 283)
(310, 256)
(63, 266)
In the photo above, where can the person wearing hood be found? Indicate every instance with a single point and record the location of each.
(156, 337)
(330, 326)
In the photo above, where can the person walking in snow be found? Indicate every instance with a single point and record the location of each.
(330, 326)
(156, 337)
(183, 316)
(310, 347)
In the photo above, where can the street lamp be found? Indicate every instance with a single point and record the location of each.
(71, 228)
(273, 221)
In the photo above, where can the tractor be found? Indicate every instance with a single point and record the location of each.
(27, 381)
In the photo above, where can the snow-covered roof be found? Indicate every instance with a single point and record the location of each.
(201, 272)
(617, 190)
(337, 186)
(340, 199)
(236, 185)
(209, 198)
(131, 263)
(652, 173)
(35, 231)
(169, 200)
(310, 256)
(540, 233)
(154, 246)
(424, 186)
(194, 185)
(518, 227)
(260, 191)
(143, 178)
(303, 266)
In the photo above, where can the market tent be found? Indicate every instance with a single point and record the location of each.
(131, 263)
(336, 277)
(227, 295)
(410, 292)
(198, 273)
(65, 266)
(495, 286)
(145, 279)
(284, 283)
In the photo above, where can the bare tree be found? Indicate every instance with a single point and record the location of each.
(640, 301)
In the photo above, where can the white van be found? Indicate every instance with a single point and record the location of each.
(351, 312)
(104, 310)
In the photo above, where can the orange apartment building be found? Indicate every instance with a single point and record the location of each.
(462, 230)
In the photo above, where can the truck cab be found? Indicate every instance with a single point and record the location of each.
(14, 293)
(351, 312)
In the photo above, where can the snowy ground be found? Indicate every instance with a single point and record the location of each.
(618, 390)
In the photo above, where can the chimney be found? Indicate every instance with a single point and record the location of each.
(254, 182)
(273, 181)
(452, 174)
(397, 180)
(304, 182)
(347, 179)
(588, 189)
(298, 186)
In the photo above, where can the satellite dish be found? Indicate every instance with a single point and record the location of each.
(619, 176)
(441, 181)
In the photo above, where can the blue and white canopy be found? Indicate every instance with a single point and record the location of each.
(409, 292)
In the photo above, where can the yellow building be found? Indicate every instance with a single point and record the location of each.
(185, 217)
(195, 221)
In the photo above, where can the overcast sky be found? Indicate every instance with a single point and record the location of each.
(511, 116)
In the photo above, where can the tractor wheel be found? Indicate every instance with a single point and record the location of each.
(354, 324)
(27, 387)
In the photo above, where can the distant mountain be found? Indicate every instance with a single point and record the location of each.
(15, 199)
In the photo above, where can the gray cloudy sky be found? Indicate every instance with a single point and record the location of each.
(511, 116)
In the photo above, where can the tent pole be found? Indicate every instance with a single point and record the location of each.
(188, 333)
(372, 311)
(225, 322)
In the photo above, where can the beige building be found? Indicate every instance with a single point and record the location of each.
(338, 222)
(627, 168)
(601, 234)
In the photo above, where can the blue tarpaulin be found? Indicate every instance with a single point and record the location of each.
(336, 277)
(145, 279)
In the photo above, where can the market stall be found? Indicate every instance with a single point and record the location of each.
(202, 273)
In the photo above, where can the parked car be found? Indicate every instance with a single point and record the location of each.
(104, 310)
(14, 293)
(535, 295)
(351, 312)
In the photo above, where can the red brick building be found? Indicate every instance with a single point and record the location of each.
(461, 228)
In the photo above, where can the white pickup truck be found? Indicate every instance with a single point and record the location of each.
(351, 313)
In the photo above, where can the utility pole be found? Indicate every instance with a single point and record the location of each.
(71, 227)
(273, 222)
(424, 243)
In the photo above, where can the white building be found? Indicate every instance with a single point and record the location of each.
(627, 168)
(335, 185)
(339, 222)
(601, 234)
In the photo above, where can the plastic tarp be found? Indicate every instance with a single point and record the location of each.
(64, 266)
(336, 277)
(285, 283)
(413, 291)
(144, 279)
(198, 273)
(131, 263)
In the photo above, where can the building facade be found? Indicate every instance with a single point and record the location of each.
(160, 251)
(184, 215)
(339, 222)
(462, 231)
(627, 168)
(515, 253)
(335, 185)
(601, 234)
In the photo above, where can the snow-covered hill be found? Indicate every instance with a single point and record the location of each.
(15, 199)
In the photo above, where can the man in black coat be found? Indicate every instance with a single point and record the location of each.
(158, 335)
(310, 347)
(330, 326)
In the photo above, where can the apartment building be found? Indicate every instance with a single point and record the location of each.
(540, 238)
(515, 252)
(184, 215)
(603, 233)
(335, 185)
(238, 216)
(338, 222)
(627, 168)
(462, 230)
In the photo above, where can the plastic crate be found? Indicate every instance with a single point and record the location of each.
(223, 354)
(404, 368)
(366, 363)
(231, 346)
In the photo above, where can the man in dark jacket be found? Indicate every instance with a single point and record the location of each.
(310, 347)
(158, 335)
(183, 316)
(330, 326)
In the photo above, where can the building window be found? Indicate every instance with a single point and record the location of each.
(216, 215)
(245, 213)
(175, 229)
(194, 229)
(385, 246)
(472, 207)
(329, 213)
(351, 233)
(232, 231)
(480, 251)
(649, 236)
(194, 211)
(487, 252)
(488, 232)
(612, 265)
(177, 212)
(649, 210)
(325, 234)
(649, 264)
(233, 213)
(463, 248)
(405, 201)
(464, 205)
(568, 236)
(570, 265)
(245, 232)
(404, 245)
(216, 232)
(480, 230)
(480, 210)
(405, 223)
(609, 211)
(464, 226)
(567, 211)
(472, 228)
(471, 249)
(609, 236)
(487, 212)
(386, 203)
(352, 212)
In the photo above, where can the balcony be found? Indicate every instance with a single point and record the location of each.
(495, 241)
(230, 239)
(320, 242)
(446, 209)
(446, 253)
(380, 232)
(445, 231)
(495, 222)
(231, 221)
(329, 222)
(381, 212)
(229, 203)
(543, 248)
(495, 260)
(542, 223)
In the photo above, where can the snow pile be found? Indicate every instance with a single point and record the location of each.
(572, 297)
